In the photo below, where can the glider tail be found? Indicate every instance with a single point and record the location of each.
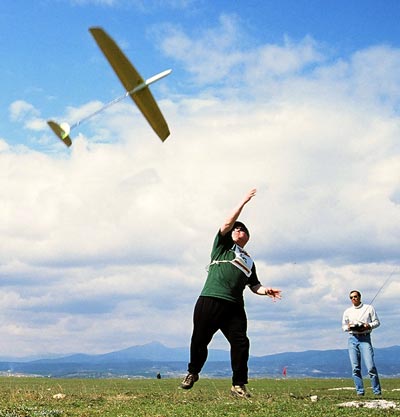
(61, 131)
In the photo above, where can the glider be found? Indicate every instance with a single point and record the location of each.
(136, 87)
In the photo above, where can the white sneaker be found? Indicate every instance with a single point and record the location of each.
(189, 381)
(240, 391)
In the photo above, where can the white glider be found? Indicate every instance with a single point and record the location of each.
(135, 86)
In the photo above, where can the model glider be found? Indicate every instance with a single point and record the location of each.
(135, 86)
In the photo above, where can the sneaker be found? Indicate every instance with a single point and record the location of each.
(240, 391)
(189, 381)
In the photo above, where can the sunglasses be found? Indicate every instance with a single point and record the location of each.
(354, 296)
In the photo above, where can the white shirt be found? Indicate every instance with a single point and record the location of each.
(364, 313)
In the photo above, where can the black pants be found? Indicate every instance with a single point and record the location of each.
(213, 314)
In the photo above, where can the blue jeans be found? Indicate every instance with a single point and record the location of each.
(360, 347)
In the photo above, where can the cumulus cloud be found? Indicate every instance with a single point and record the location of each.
(113, 236)
(20, 110)
(223, 54)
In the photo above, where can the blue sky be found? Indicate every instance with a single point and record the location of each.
(104, 244)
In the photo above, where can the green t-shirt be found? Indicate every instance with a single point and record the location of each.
(225, 280)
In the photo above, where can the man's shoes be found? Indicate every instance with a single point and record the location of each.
(240, 391)
(189, 381)
(360, 394)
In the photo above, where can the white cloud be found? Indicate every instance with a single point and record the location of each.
(209, 56)
(375, 74)
(3, 145)
(224, 55)
(20, 110)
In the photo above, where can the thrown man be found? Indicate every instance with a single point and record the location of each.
(221, 306)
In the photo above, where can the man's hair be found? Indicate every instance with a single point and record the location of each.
(242, 225)
(356, 291)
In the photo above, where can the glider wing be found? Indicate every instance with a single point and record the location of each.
(131, 79)
(60, 132)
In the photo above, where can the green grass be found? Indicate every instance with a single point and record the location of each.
(33, 397)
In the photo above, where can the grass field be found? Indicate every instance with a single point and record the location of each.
(33, 397)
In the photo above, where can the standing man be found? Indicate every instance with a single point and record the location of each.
(221, 306)
(359, 320)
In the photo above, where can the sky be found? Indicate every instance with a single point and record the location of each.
(104, 245)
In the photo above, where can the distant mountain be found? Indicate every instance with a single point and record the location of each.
(154, 351)
(325, 363)
(147, 360)
(329, 363)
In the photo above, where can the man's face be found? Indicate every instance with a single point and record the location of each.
(355, 299)
(239, 236)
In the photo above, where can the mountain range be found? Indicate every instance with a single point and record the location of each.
(146, 361)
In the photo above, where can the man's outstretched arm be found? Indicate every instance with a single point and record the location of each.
(230, 220)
